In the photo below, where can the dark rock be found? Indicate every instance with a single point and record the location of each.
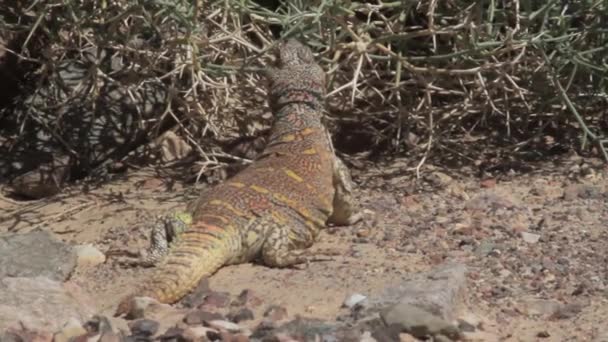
(465, 326)
(144, 327)
(567, 311)
(200, 316)
(247, 298)
(244, 314)
(98, 324)
(197, 296)
(37, 253)
(276, 313)
(173, 334)
(216, 300)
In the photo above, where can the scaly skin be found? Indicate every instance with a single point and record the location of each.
(274, 208)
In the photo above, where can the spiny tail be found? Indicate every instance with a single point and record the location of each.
(200, 251)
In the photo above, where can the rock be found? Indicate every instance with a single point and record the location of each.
(144, 327)
(70, 330)
(224, 325)
(438, 179)
(25, 335)
(584, 191)
(143, 307)
(216, 300)
(418, 322)
(41, 304)
(439, 291)
(89, 256)
(172, 147)
(304, 329)
(539, 307)
(197, 296)
(543, 334)
(490, 199)
(276, 313)
(110, 337)
(367, 337)
(354, 300)
(567, 311)
(197, 317)
(198, 333)
(488, 183)
(249, 298)
(244, 314)
(240, 338)
(530, 237)
(37, 253)
(102, 324)
(175, 334)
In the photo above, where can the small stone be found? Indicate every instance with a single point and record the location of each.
(110, 337)
(224, 325)
(530, 237)
(488, 183)
(70, 330)
(173, 334)
(543, 334)
(439, 179)
(363, 233)
(197, 333)
(539, 307)
(98, 324)
(89, 256)
(465, 326)
(144, 327)
(197, 317)
(244, 314)
(485, 248)
(276, 313)
(354, 300)
(417, 322)
(247, 297)
(216, 300)
(240, 338)
(225, 336)
(567, 311)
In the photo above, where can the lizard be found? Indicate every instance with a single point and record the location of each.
(273, 209)
(166, 229)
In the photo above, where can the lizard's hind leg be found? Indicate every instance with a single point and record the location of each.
(279, 250)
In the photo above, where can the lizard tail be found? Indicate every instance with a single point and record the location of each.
(200, 251)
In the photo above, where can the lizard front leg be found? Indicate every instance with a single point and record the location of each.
(165, 231)
(346, 209)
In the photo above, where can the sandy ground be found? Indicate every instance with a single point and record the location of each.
(411, 225)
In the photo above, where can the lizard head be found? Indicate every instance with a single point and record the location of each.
(296, 77)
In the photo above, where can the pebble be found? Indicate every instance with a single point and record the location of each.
(354, 300)
(89, 256)
(276, 313)
(216, 300)
(197, 317)
(144, 327)
(530, 237)
(110, 337)
(244, 314)
(224, 325)
(418, 322)
(72, 328)
(249, 298)
(197, 333)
